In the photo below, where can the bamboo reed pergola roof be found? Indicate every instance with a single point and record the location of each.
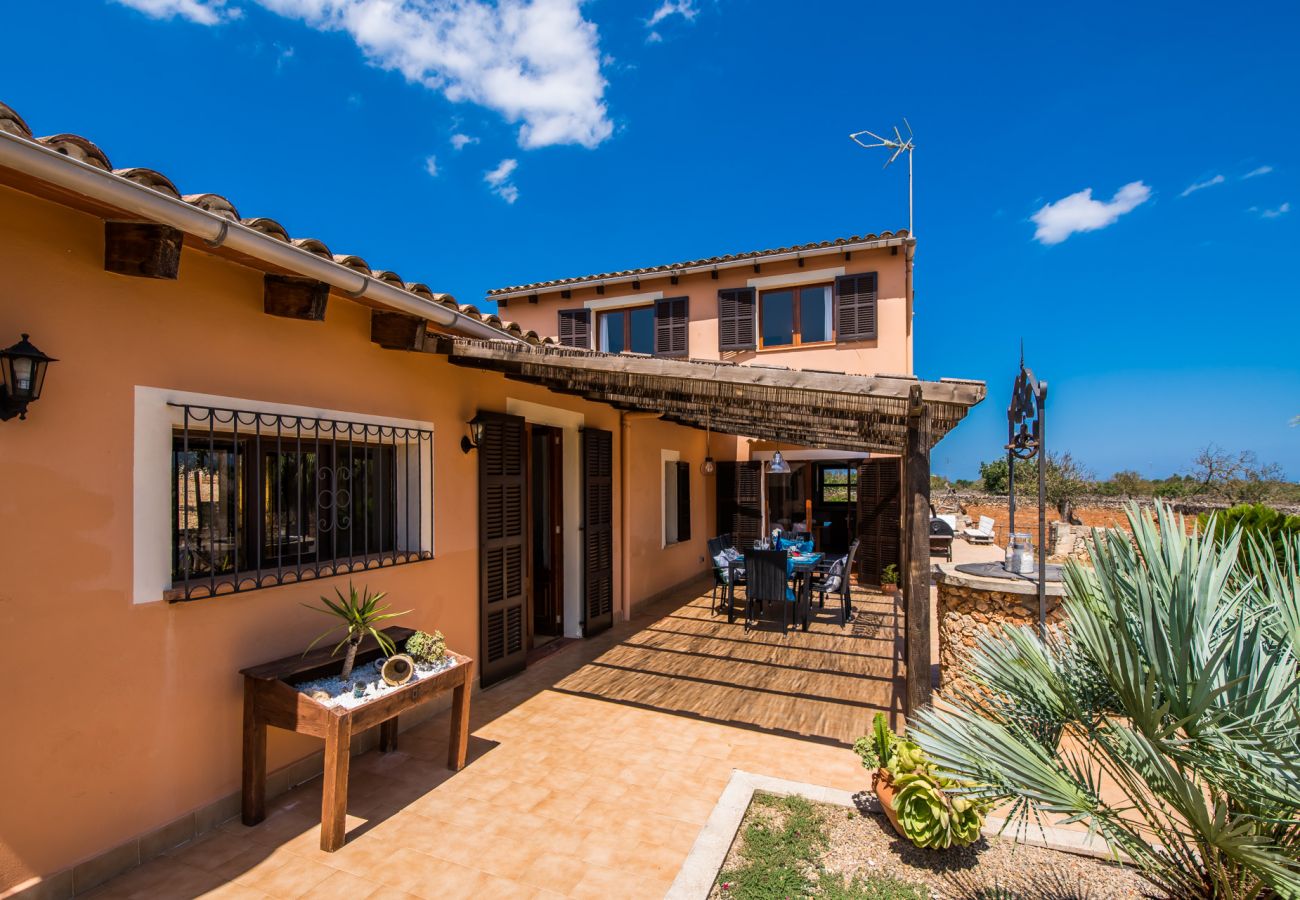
(827, 410)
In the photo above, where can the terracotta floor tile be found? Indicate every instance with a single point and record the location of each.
(342, 886)
(233, 890)
(554, 872)
(590, 776)
(211, 850)
(295, 877)
(165, 878)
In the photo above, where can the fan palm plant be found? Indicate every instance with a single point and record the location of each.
(358, 616)
(1164, 716)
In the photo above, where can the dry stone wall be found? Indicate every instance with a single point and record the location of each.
(966, 610)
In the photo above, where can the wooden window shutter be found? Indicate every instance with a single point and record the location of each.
(683, 501)
(502, 535)
(575, 328)
(855, 298)
(597, 530)
(671, 326)
(737, 319)
(740, 501)
(879, 517)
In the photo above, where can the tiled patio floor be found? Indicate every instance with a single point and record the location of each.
(590, 775)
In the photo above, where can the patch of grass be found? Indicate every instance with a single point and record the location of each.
(781, 855)
(873, 887)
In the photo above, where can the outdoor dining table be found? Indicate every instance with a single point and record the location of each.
(798, 566)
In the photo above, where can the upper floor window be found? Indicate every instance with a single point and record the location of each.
(622, 330)
(796, 315)
(658, 328)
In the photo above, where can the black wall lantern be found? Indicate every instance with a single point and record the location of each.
(22, 375)
(471, 441)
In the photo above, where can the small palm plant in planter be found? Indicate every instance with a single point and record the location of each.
(358, 616)
(1165, 715)
(889, 577)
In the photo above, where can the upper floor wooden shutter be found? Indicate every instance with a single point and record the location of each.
(855, 298)
(575, 328)
(737, 319)
(597, 530)
(683, 501)
(740, 501)
(671, 326)
(502, 517)
(879, 517)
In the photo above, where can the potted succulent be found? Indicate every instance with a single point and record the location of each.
(889, 578)
(358, 616)
(427, 649)
(922, 806)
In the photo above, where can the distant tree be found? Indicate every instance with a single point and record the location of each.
(963, 484)
(1067, 481)
(994, 476)
(939, 484)
(1130, 484)
(1236, 477)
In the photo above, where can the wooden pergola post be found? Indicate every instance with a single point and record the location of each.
(916, 553)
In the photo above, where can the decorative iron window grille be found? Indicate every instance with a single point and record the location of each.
(261, 499)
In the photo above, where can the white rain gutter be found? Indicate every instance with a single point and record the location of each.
(703, 267)
(71, 174)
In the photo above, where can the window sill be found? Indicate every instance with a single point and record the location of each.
(809, 346)
(243, 582)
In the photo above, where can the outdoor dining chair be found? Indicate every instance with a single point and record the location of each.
(767, 581)
(837, 578)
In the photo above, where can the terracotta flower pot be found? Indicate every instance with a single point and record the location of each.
(883, 785)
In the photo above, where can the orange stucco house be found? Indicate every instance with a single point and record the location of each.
(843, 305)
(239, 420)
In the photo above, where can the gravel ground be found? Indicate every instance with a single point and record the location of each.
(867, 844)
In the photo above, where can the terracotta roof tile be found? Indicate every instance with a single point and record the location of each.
(670, 268)
(86, 151)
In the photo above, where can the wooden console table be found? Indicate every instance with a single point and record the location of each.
(271, 699)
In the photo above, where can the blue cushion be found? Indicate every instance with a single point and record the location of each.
(805, 546)
(789, 595)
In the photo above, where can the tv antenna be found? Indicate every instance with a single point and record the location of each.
(900, 146)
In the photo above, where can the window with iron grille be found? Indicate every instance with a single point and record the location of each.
(260, 499)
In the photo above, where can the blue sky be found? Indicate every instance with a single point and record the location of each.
(609, 134)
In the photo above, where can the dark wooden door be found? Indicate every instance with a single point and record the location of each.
(879, 517)
(740, 502)
(597, 531)
(546, 559)
(503, 534)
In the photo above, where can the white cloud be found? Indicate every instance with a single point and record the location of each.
(1272, 213)
(1079, 212)
(431, 165)
(654, 37)
(283, 55)
(1255, 173)
(1202, 185)
(499, 180)
(461, 141)
(684, 8)
(536, 62)
(203, 12)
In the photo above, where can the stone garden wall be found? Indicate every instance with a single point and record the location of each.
(966, 606)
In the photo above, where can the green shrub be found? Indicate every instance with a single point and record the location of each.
(1177, 688)
(427, 648)
(1257, 522)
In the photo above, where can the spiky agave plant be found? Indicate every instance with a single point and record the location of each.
(1165, 716)
(358, 616)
